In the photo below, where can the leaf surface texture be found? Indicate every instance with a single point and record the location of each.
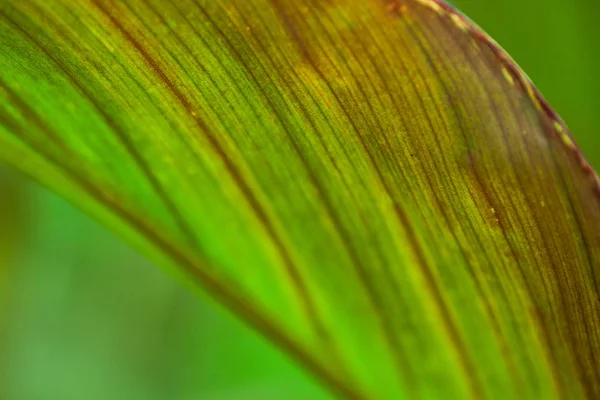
(373, 185)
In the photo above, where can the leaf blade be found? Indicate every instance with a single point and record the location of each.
(350, 153)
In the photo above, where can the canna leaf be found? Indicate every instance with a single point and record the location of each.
(374, 185)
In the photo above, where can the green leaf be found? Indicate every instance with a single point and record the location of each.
(373, 185)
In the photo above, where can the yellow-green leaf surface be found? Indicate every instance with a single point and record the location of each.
(372, 184)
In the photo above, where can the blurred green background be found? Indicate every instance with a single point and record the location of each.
(82, 316)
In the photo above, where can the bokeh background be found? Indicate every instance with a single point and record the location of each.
(82, 316)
